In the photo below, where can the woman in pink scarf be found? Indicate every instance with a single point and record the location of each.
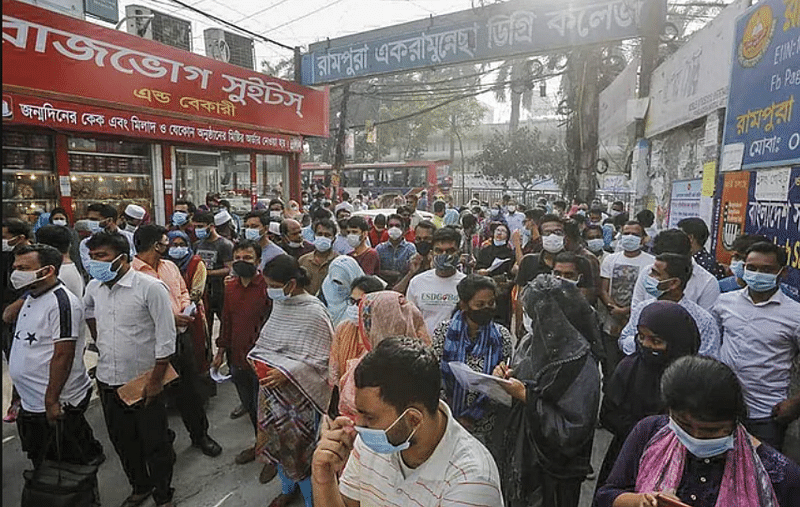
(700, 453)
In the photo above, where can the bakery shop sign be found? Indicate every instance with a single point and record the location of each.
(165, 91)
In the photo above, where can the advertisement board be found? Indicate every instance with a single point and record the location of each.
(684, 201)
(732, 212)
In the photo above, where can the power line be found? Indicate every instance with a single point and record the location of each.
(331, 4)
(265, 9)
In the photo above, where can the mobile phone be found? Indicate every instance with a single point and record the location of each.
(666, 501)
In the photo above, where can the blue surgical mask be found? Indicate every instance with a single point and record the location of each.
(737, 268)
(179, 218)
(94, 226)
(201, 233)
(630, 242)
(322, 244)
(252, 234)
(651, 286)
(595, 245)
(101, 270)
(178, 252)
(277, 294)
(378, 442)
(351, 313)
(760, 282)
(701, 447)
(499, 242)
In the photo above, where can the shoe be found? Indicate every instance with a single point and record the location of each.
(238, 412)
(267, 473)
(13, 411)
(208, 446)
(246, 456)
(135, 500)
(284, 500)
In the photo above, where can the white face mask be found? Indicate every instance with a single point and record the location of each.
(512, 209)
(354, 240)
(21, 279)
(553, 243)
(395, 233)
(60, 222)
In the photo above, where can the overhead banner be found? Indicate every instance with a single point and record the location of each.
(613, 113)
(773, 210)
(733, 212)
(52, 56)
(684, 201)
(764, 97)
(494, 32)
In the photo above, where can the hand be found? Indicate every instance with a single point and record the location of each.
(515, 238)
(53, 412)
(151, 390)
(501, 370)
(182, 320)
(415, 263)
(275, 378)
(620, 311)
(334, 446)
(515, 388)
(787, 410)
(649, 499)
(483, 272)
(218, 358)
(228, 278)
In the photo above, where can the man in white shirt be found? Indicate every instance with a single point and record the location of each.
(434, 291)
(102, 217)
(410, 450)
(46, 361)
(514, 218)
(130, 316)
(760, 341)
(702, 287)
(59, 237)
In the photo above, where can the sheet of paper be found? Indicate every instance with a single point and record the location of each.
(487, 384)
(497, 263)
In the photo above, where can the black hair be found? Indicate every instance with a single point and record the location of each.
(743, 242)
(404, 209)
(248, 243)
(224, 203)
(367, 283)
(204, 217)
(394, 216)
(58, 210)
(646, 217)
(560, 204)
(472, 284)
(425, 224)
(618, 202)
(439, 206)
(705, 388)
(146, 236)
(765, 247)
(620, 220)
(695, 226)
(446, 234)
(672, 241)
(380, 218)
(284, 268)
(592, 227)
(326, 223)
(405, 370)
(566, 258)
(678, 266)
(572, 229)
(115, 240)
(468, 221)
(357, 222)
(47, 255)
(319, 213)
(276, 201)
(634, 222)
(550, 217)
(105, 210)
(57, 236)
(534, 214)
(494, 225)
(17, 227)
(260, 215)
(596, 211)
(189, 204)
(345, 195)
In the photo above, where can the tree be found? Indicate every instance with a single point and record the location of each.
(522, 155)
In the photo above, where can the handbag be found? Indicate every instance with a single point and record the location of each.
(60, 484)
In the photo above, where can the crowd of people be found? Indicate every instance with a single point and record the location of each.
(349, 339)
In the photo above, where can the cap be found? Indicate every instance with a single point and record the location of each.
(344, 205)
(275, 228)
(134, 211)
(222, 217)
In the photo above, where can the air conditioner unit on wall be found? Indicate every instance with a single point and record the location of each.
(229, 47)
(161, 27)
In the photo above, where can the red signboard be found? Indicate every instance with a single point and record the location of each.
(62, 115)
(733, 212)
(53, 56)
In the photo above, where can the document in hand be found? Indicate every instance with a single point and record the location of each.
(489, 385)
(132, 392)
(497, 264)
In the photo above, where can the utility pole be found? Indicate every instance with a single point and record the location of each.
(584, 75)
(339, 155)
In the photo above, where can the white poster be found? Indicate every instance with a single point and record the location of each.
(684, 201)
(773, 184)
(613, 118)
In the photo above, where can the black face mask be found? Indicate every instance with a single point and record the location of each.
(481, 317)
(244, 269)
(652, 357)
(424, 247)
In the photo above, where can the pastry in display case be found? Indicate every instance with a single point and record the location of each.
(29, 180)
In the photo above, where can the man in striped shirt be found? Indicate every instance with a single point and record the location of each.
(407, 448)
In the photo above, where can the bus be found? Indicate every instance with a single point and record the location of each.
(384, 177)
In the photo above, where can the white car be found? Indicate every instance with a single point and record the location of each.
(370, 214)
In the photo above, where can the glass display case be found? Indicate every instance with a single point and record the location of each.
(29, 177)
(224, 172)
(273, 177)
(114, 172)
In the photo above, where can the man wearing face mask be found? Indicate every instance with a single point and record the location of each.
(182, 218)
(406, 448)
(131, 218)
(740, 246)
(46, 361)
(420, 261)
(514, 218)
(256, 224)
(139, 340)
(217, 253)
(316, 263)
(152, 245)
(396, 252)
(103, 217)
(435, 291)
(593, 236)
(366, 256)
(292, 239)
(761, 335)
(666, 281)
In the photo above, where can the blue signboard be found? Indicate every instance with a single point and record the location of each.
(497, 31)
(773, 210)
(764, 97)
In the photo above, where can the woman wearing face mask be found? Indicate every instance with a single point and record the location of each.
(335, 291)
(700, 452)
(59, 217)
(290, 359)
(471, 337)
(665, 332)
(494, 251)
(378, 315)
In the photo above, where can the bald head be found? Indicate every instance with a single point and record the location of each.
(291, 230)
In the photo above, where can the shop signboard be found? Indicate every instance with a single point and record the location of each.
(492, 32)
(732, 212)
(773, 210)
(52, 56)
(684, 201)
(764, 96)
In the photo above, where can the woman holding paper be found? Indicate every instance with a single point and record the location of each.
(494, 251)
(472, 337)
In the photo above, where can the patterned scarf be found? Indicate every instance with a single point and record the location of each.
(457, 345)
(745, 482)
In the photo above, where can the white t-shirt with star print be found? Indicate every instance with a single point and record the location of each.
(51, 317)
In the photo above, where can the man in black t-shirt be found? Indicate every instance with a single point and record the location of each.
(217, 253)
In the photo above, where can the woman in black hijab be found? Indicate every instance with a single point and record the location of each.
(666, 331)
(546, 444)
